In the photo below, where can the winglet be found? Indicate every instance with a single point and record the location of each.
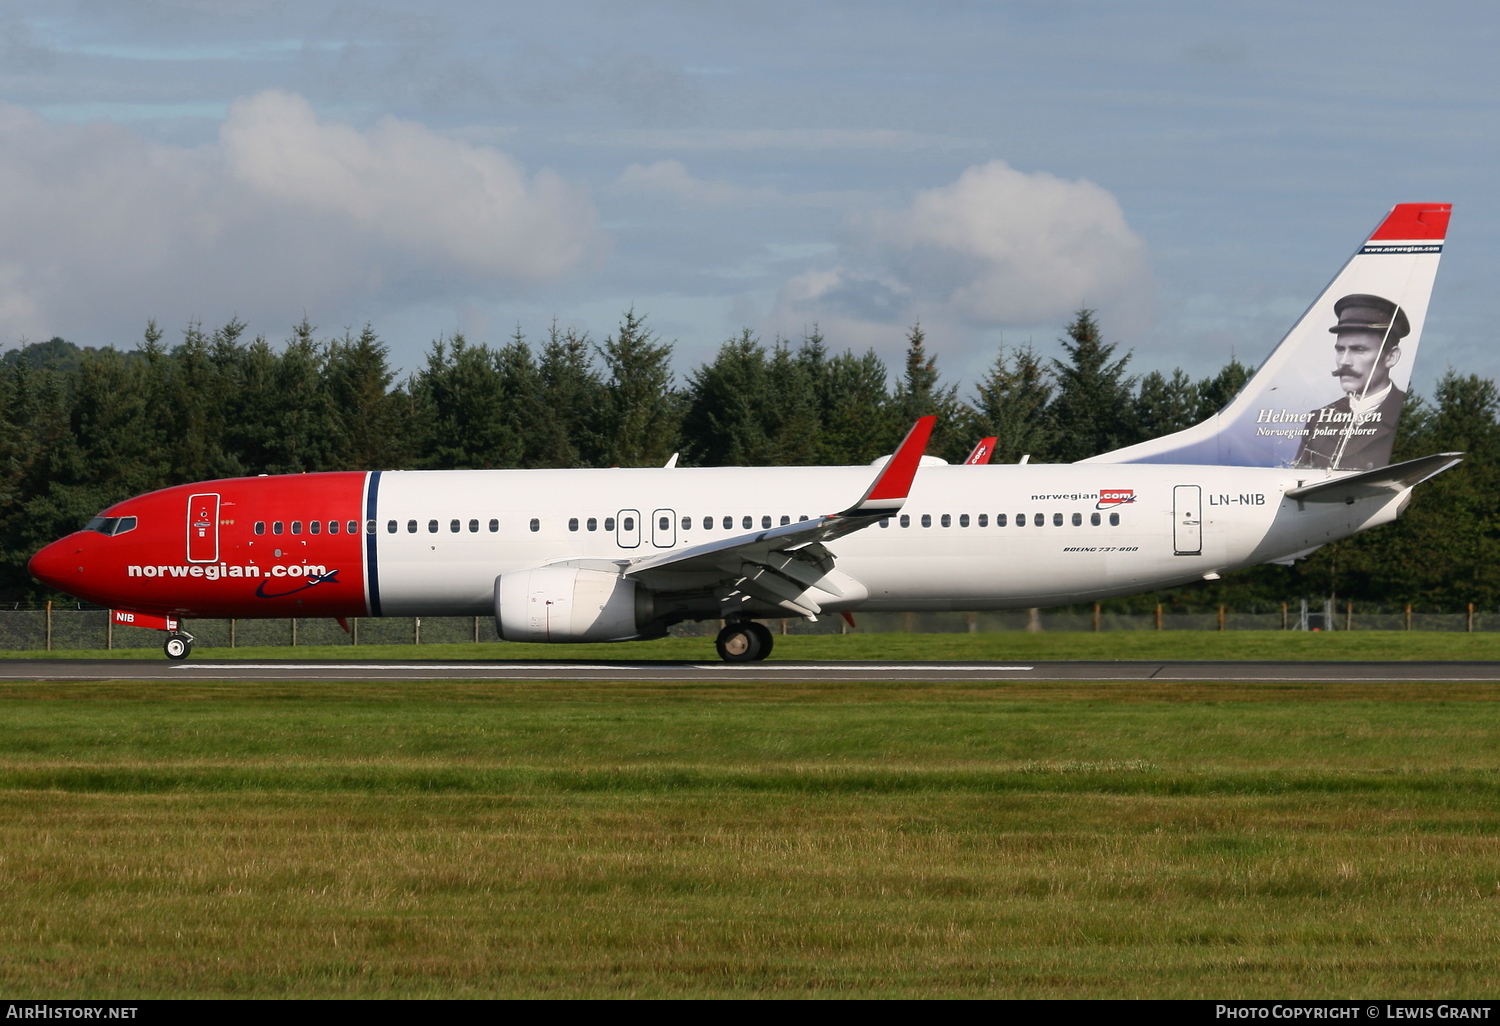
(889, 491)
(982, 452)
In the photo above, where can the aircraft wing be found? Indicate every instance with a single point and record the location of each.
(1380, 481)
(778, 565)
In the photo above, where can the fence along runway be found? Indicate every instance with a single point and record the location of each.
(704, 672)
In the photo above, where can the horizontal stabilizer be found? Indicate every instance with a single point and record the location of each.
(1375, 483)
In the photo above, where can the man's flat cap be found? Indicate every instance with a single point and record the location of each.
(1371, 313)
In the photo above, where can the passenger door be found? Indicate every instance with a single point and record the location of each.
(203, 528)
(663, 528)
(628, 528)
(1187, 520)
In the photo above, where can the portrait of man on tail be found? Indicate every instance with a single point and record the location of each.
(1359, 430)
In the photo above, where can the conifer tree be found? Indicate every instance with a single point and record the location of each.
(1164, 405)
(371, 416)
(1011, 405)
(640, 412)
(1092, 409)
(571, 393)
(920, 393)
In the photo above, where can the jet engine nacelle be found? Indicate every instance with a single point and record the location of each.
(569, 604)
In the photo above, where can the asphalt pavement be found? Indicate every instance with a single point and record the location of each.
(501, 670)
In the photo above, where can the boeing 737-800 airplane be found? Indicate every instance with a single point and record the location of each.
(1298, 459)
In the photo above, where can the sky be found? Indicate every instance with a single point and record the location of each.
(1194, 172)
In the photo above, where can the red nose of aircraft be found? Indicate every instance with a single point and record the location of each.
(60, 565)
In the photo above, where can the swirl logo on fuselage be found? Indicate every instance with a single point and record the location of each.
(1110, 497)
(311, 581)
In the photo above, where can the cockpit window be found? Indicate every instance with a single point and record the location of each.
(110, 525)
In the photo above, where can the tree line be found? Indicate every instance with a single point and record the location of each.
(81, 428)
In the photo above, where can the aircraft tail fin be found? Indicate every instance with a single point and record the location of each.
(1330, 394)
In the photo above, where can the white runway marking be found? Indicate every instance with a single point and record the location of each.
(927, 667)
(591, 666)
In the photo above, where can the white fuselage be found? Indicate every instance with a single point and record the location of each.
(1174, 524)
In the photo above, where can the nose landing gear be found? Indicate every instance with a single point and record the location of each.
(743, 641)
(178, 646)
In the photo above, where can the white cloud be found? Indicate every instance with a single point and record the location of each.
(671, 178)
(101, 229)
(760, 139)
(997, 248)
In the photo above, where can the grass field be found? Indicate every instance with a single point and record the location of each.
(1026, 839)
(1009, 646)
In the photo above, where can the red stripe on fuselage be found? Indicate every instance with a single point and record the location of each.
(265, 575)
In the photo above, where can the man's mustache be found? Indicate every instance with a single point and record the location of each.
(1347, 372)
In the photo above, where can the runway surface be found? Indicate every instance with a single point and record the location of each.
(291, 670)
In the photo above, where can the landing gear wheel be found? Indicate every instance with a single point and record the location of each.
(743, 642)
(177, 647)
(764, 633)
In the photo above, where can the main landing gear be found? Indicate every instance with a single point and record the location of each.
(178, 646)
(743, 641)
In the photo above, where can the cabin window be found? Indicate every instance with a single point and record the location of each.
(432, 527)
(663, 523)
(708, 523)
(1057, 520)
(687, 523)
(729, 523)
(787, 520)
(885, 521)
(926, 519)
(963, 520)
(260, 527)
(536, 525)
(765, 522)
(494, 526)
(1114, 520)
(984, 520)
(390, 527)
(1077, 519)
(1020, 519)
(1001, 520)
(454, 526)
(593, 524)
(947, 520)
(411, 527)
(277, 527)
(353, 527)
(333, 527)
(802, 518)
(296, 527)
(628, 524)
(905, 520)
(609, 523)
(315, 527)
(473, 527)
(747, 523)
(1094, 519)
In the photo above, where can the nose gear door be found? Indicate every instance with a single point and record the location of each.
(203, 528)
